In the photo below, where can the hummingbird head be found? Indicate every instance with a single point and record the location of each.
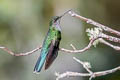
(56, 19)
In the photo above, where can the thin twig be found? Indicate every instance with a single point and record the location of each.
(20, 54)
(71, 74)
(96, 32)
(84, 64)
(89, 21)
(93, 75)
(87, 66)
(110, 38)
(81, 50)
(73, 47)
(109, 44)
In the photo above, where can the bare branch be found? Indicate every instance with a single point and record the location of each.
(71, 74)
(38, 48)
(20, 54)
(89, 21)
(86, 65)
(73, 47)
(110, 38)
(93, 75)
(82, 50)
(95, 32)
(109, 44)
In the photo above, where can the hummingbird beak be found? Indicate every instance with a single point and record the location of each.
(59, 17)
(64, 13)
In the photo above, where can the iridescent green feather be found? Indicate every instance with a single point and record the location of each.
(50, 46)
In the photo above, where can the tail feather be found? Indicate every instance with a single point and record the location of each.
(40, 63)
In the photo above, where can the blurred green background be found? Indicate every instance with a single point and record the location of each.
(24, 24)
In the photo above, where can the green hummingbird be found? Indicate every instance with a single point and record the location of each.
(50, 47)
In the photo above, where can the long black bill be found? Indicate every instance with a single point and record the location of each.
(59, 17)
(64, 13)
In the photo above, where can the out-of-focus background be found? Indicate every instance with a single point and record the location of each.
(24, 24)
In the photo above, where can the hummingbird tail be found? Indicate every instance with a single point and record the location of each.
(39, 63)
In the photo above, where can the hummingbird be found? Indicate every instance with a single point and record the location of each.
(50, 47)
